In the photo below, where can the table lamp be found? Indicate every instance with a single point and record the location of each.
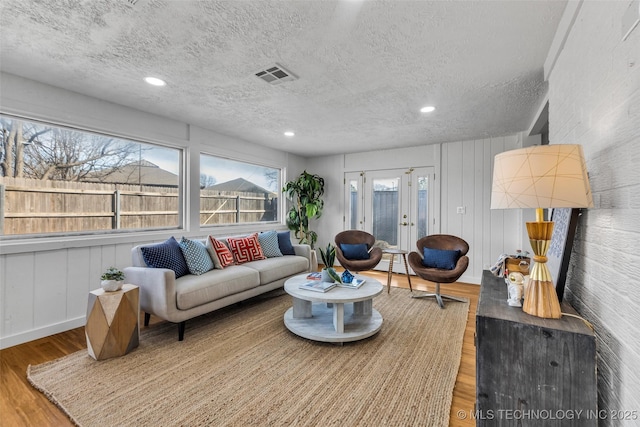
(542, 176)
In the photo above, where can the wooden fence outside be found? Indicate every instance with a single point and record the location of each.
(40, 207)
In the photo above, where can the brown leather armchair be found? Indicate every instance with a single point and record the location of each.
(438, 275)
(354, 237)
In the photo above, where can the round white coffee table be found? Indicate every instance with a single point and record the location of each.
(338, 315)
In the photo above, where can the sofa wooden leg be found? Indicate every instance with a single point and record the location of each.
(181, 330)
(147, 317)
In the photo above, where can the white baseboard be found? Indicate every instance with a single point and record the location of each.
(474, 280)
(45, 331)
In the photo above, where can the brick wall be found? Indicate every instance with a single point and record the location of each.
(594, 100)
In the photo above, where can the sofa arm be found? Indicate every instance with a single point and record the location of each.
(308, 253)
(157, 290)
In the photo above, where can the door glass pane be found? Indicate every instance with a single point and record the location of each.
(353, 204)
(423, 206)
(385, 211)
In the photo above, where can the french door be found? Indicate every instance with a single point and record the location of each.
(395, 205)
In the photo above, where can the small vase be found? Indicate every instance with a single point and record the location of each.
(324, 276)
(111, 285)
(347, 277)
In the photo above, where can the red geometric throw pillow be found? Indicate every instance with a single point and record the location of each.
(224, 254)
(246, 249)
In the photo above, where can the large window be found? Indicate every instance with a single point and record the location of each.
(60, 180)
(233, 192)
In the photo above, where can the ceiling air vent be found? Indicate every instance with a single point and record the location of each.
(276, 74)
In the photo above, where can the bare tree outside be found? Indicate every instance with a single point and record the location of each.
(207, 180)
(38, 151)
(272, 177)
(13, 146)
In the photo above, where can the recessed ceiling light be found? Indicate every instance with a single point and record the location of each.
(427, 109)
(289, 133)
(155, 81)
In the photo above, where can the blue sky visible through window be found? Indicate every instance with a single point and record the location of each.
(224, 170)
(220, 169)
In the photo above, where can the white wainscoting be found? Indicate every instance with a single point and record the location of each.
(46, 292)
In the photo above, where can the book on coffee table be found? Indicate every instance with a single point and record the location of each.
(317, 286)
(355, 284)
(316, 275)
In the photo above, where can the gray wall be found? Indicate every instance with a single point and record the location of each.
(594, 100)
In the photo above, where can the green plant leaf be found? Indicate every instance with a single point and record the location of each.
(305, 192)
(334, 275)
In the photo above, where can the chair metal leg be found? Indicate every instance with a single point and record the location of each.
(438, 296)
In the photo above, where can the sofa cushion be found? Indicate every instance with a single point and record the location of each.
(355, 251)
(272, 269)
(284, 241)
(196, 256)
(192, 291)
(246, 249)
(269, 243)
(166, 255)
(212, 253)
(222, 253)
(440, 258)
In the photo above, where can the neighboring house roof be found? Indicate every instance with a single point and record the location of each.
(137, 173)
(239, 184)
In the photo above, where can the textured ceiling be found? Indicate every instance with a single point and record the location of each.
(365, 67)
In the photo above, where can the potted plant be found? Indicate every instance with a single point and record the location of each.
(112, 279)
(306, 194)
(328, 257)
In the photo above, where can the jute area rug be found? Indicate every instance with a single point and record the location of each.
(242, 367)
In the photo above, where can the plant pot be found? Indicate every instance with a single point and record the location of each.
(111, 285)
(324, 276)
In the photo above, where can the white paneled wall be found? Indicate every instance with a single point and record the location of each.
(46, 292)
(463, 178)
(594, 100)
(467, 169)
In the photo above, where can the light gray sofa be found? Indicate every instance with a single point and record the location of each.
(178, 300)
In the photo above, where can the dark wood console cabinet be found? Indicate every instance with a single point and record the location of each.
(532, 371)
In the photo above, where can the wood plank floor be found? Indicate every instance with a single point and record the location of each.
(22, 405)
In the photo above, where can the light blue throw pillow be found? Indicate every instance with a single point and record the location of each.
(269, 243)
(196, 256)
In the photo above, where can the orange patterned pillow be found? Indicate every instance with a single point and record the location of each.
(222, 251)
(246, 249)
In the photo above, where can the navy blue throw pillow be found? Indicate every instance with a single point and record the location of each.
(440, 258)
(357, 251)
(166, 255)
(284, 241)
